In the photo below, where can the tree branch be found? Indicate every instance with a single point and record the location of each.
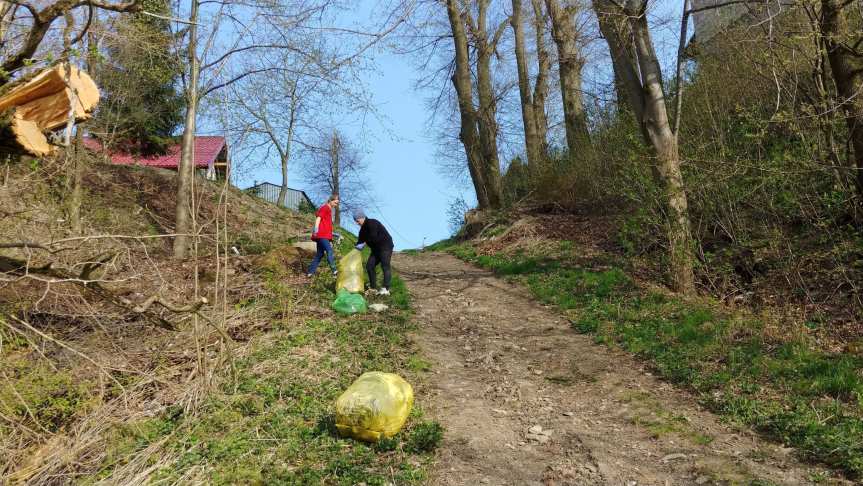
(733, 2)
(145, 305)
(246, 48)
(24, 244)
(681, 47)
(42, 20)
(241, 76)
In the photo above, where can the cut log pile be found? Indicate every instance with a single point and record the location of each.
(44, 104)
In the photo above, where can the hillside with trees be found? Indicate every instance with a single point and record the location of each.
(665, 193)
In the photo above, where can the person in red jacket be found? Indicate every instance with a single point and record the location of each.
(322, 234)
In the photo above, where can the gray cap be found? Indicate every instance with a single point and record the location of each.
(359, 214)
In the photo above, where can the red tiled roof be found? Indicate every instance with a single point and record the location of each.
(207, 149)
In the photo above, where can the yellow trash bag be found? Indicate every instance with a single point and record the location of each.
(375, 405)
(351, 272)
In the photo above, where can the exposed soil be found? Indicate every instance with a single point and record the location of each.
(526, 400)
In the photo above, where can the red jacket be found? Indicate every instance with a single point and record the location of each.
(325, 228)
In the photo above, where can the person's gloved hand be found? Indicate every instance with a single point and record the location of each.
(360, 246)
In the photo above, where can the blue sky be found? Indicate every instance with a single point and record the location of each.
(411, 196)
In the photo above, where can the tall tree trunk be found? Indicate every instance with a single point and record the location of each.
(485, 47)
(531, 137)
(627, 84)
(78, 166)
(845, 53)
(648, 101)
(461, 80)
(283, 191)
(540, 87)
(76, 194)
(186, 170)
(335, 149)
(822, 77)
(285, 152)
(570, 64)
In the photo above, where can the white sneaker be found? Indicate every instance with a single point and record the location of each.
(383, 291)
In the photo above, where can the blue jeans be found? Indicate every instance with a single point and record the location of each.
(324, 246)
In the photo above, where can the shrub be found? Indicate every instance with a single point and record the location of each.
(425, 437)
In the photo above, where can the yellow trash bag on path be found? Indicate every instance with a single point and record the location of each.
(351, 272)
(376, 405)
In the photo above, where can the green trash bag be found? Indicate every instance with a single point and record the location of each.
(349, 303)
(351, 272)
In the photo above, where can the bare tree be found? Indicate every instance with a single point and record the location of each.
(335, 171)
(6, 13)
(844, 45)
(271, 110)
(463, 84)
(256, 30)
(283, 145)
(279, 114)
(635, 63)
(75, 189)
(540, 87)
(571, 63)
(533, 144)
(486, 43)
(186, 169)
(336, 166)
(478, 131)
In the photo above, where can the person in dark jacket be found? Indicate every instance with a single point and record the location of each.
(373, 233)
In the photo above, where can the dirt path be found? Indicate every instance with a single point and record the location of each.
(527, 401)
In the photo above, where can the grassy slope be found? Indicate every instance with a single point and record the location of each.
(266, 418)
(734, 362)
(118, 200)
(271, 422)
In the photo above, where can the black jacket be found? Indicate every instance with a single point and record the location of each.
(373, 233)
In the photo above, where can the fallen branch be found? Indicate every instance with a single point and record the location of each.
(158, 299)
(118, 237)
(24, 244)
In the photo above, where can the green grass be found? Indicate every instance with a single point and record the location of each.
(42, 398)
(273, 424)
(790, 391)
(417, 364)
(442, 245)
